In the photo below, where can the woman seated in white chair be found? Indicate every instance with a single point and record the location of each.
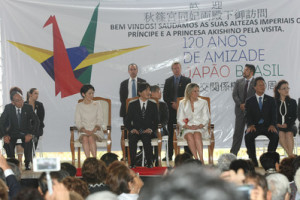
(89, 120)
(193, 119)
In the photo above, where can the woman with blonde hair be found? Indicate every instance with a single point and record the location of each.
(193, 118)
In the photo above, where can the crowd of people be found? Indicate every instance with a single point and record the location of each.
(108, 178)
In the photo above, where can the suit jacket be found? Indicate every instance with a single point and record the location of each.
(238, 91)
(163, 116)
(124, 94)
(268, 112)
(168, 93)
(13, 186)
(29, 121)
(134, 120)
(291, 114)
(40, 112)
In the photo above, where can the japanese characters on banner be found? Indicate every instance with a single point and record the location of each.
(213, 40)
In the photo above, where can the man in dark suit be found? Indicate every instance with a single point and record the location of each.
(243, 89)
(261, 119)
(22, 124)
(163, 116)
(142, 122)
(128, 87)
(174, 87)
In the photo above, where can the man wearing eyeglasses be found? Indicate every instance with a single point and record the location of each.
(22, 124)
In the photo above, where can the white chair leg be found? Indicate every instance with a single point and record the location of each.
(143, 160)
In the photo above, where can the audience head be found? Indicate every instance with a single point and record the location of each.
(190, 89)
(87, 90)
(75, 196)
(281, 89)
(190, 182)
(107, 195)
(192, 161)
(181, 158)
(269, 159)
(286, 167)
(15, 89)
(296, 163)
(33, 93)
(121, 179)
(279, 186)
(176, 68)
(71, 169)
(249, 71)
(155, 92)
(56, 177)
(297, 179)
(13, 160)
(133, 70)
(246, 165)
(29, 194)
(76, 185)
(256, 179)
(109, 158)
(16, 170)
(94, 171)
(144, 90)
(225, 160)
(259, 85)
(3, 190)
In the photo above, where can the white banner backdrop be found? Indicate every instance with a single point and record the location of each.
(212, 39)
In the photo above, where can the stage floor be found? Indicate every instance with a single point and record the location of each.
(66, 157)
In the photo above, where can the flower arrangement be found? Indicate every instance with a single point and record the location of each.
(186, 120)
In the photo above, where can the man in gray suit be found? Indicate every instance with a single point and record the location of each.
(243, 89)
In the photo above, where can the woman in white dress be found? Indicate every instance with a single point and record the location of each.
(89, 120)
(193, 118)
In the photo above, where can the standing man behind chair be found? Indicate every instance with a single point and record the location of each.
(142, 121)
(243, 89)
(261, 119)
(174, 87)
(23, 123)
(129, 87)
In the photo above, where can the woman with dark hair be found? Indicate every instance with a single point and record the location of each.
(123, 181)
(94, 174)
(193, 118)
(38, 108)
(89, 120)
(286, 116)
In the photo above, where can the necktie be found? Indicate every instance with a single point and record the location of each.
(133, 88)
(19, 116)
(260, 104)
(176, 88)
(143, 111)
(246, 90)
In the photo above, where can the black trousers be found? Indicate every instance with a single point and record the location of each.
(250, 141)
(146, 139)
(10, 148)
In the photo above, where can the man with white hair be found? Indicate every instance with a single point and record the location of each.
(225, 160)
(279, 187)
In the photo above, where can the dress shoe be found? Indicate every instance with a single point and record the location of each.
(149, 165)
(27, 166)
(132, 166)
(164, 159)
(156, 163)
